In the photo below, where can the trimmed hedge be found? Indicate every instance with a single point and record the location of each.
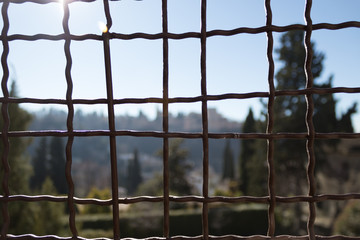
(243, 222)
(222, 221)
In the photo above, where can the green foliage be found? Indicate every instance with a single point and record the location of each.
(133, 178)
(348, 222)
(98, 194)
(292, 74)
(179, 168)
(22, 217)
(250, 220)
(247, 151)
(96, 233)
(151, 187)
(18, 160)
(95, 222)
(21, 214)
(231, 189)
(257, 170)
(48, 214)
(252, 160)
(36, 217)
(228, 163)
(290, 111)
(345, 123)
(57, 164)
(185, 223)
(39, 163)
(290, 156)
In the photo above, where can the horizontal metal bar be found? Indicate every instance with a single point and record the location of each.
(179, 36)
(184, 199)
(320, 91)
(160, 134)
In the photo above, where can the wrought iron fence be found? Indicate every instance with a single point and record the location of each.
(271, 200)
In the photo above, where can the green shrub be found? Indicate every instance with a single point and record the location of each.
(188, 223)
(98, 194)
(247, 221)
(348, 222)
(222, 220)
(92, 233)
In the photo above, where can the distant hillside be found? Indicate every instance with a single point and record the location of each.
(94, 151)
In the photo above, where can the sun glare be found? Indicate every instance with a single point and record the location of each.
(61, 5)
(102, 27)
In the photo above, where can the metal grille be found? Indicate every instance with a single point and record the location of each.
(271, 200)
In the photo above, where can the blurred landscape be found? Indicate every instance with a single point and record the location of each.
(236, 167)
(91, 159)
(91, 170)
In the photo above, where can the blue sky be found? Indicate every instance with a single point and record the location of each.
(235, 64)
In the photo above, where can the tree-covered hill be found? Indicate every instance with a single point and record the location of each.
(94, 151)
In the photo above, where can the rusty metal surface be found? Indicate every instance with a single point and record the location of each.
(271, 200)
(6, 120)
(69, 122)
(165, 123)
(205, 124)
(270, 123)
(309, 120)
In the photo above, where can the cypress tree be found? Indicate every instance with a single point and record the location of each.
(247, 151)
(57, 164)
(134, 177)
(290, 156)
(228, 163)
(40, 165)
(290, 111)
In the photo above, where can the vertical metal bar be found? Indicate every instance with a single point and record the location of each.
(111, 116)
(270, 123)
(166, 226)
(204, 112)
(309, 119)
(70, 117)
(111, 119)
(6, 120)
